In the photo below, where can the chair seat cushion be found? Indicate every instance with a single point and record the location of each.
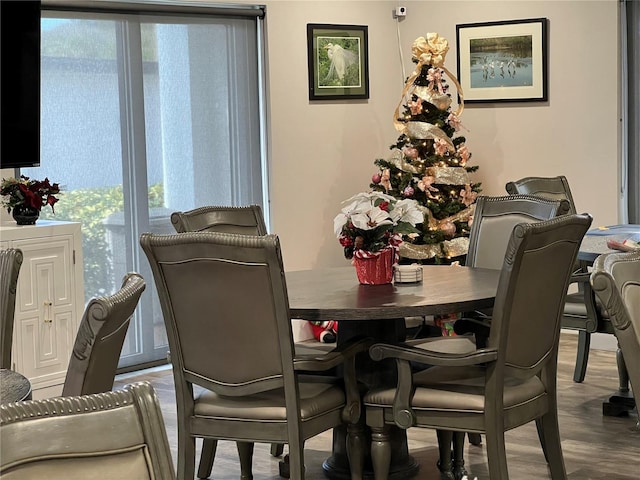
(458, 389)
(315, 399)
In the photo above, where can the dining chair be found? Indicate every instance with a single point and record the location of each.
(581, 311)
(114, 435)
(493, 222)
(616, 281)
(10, 263)
(247, 220)
(508, 383)
(235, 372)
(98, 343)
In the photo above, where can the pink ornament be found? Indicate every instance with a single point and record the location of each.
(408, 192)
(449, 229)
(376, 178)
(410, 152)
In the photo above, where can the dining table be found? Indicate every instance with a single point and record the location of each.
(596, 242)
(14, 387)
(378, 312)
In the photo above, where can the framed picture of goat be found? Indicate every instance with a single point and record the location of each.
(504, 61)
(338, 61)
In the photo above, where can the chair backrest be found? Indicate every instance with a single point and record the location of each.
(529, 303)
(616, 282)
(493, 222)
(10, 262)
(247, 220)
(553, 188)
(107, 435)
(98, 344)
(226, 311)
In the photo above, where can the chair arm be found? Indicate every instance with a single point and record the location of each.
(326, 360)
(472, 325)
(580, 277)
(345, 355)
(380, 351)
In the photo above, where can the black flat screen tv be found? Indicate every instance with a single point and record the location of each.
(19, 83)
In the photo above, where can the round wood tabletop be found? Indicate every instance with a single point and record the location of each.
(335, 294)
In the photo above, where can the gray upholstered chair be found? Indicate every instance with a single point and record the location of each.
(247, 220)
(493, 222)
(235, 373)
(581, 311)
(510, 382)
(115, 435)
(98, 344)
(616, 282)
(10, 262)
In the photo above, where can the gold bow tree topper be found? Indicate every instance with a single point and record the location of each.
(429, 162)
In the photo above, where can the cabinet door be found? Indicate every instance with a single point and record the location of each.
(45, 325)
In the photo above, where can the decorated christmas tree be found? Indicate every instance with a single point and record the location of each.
(429, 162)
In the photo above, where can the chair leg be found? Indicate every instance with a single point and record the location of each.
(277, 449)
(475, 439)
(459, 472)
(186, 455)
(623, 374)
(207, 455)
(496, 454)
(551, 444)
(539, 428)
(296, 462)
(245, 452)
(380, 452)
(445, 439)
(582, 356)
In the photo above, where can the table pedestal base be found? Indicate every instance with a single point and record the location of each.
(370, 373)
(403, 465)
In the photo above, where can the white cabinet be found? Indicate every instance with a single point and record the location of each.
(49, 301)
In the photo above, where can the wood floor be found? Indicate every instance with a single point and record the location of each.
(595, 447)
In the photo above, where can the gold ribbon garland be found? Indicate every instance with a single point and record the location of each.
(429, 51)
(424, 130)
(397, 158)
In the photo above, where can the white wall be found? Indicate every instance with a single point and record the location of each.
(323, 152)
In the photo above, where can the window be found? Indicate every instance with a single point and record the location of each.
(144, 114)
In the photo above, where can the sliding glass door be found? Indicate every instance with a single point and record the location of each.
(144, 115)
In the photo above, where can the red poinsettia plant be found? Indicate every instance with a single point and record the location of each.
(28, 192)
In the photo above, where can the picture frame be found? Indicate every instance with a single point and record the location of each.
(338, 61)
(503, 61)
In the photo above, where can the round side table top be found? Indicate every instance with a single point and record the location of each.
(14, 387)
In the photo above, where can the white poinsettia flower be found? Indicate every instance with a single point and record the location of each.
(339, 222)
(357, 205)
(407, 211)
(371, 219)
(370, 197)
